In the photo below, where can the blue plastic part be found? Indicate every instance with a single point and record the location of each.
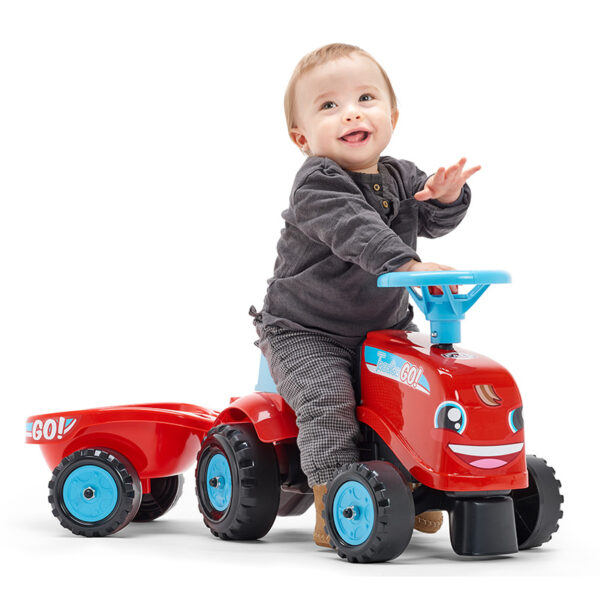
(265, 381)
(218, 482)
(445, 311)
(353, 513)
(90, 493)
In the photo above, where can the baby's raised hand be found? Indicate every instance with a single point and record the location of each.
(446, 184)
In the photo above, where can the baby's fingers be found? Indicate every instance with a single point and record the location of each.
(423, 195)
(433, 183)
(453, 288)
(466, 174)
(439, 177)
(452, 172)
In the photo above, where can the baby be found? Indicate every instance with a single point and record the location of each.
(353, 215)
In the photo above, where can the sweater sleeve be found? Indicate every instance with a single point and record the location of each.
(328, 207)
(435, 217)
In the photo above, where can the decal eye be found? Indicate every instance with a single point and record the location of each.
(515, 419)
(450, 415)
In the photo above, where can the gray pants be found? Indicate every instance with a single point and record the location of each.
(314, 375)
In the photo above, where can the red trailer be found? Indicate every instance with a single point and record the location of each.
(116, 464)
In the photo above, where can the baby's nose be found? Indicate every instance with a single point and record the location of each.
(352, 113)
(352, 116)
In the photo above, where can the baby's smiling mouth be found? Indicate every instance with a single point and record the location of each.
(356, 136)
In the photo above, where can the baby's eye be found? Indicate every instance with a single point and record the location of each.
(329, 104)
(365, 98)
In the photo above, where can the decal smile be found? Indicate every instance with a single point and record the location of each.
(487, 457)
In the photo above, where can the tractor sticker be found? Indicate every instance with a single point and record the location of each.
(391, 366)
(49, 429)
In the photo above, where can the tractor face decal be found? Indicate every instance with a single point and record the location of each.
(452, 416)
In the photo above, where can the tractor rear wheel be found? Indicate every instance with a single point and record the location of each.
(237, 483)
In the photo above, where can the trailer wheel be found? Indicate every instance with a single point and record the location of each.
(537, 507)
(369, 512)
(237, 483)
(94, 492)
(164, 493)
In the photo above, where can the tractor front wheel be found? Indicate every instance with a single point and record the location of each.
(369, 512)
(537, 507)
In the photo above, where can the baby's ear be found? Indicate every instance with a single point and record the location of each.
(299, 139)
(395, 114)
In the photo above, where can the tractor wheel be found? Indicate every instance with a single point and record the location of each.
(237, 483)
(369, 512)
(537, 507)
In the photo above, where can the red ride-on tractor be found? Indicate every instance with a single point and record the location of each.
(442, 428)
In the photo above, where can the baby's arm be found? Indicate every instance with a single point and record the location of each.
(329, 208)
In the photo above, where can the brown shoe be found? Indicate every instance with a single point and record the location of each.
(429, 521)
(319, 536)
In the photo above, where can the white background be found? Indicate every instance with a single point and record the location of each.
(144, 166)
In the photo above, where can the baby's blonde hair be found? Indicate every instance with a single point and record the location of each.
(321, 56)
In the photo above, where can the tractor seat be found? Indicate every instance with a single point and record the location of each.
(265, 381)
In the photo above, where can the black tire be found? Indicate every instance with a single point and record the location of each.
(387, 493)
(164, 493)
(247, 510)
(94, 492)
(537, 507)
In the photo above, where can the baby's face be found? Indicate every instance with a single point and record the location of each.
(343, 111)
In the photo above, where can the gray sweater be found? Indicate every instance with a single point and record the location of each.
(342, 230)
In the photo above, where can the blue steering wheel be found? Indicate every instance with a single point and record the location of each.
(446, 310)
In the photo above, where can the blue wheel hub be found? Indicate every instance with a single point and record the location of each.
(90, 493)
(218, 482)
(353, 513)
